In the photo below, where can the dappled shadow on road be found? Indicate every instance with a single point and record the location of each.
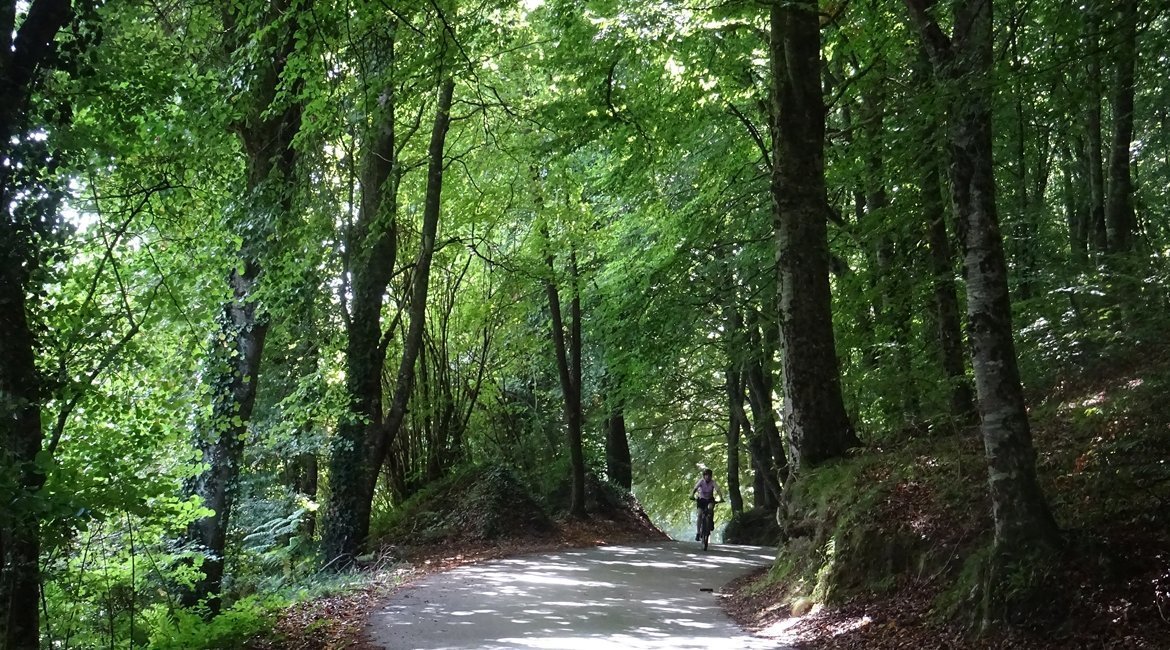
(637, 597)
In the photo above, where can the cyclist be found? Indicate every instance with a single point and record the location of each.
(705, 490)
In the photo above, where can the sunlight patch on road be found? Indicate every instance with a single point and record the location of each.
(811, 626)
(630, 642)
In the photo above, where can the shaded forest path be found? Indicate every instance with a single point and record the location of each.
(638, 597)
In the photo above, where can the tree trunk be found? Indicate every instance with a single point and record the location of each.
(361, 449)
(764, 484)
(21, 438)
(22, 61)
(618, 465)
(819, 428)
(267, 134)
(759, 394)
(1023, 253)
(371, 253)
(1120, 220)
(949, 327)
(948, 322)
(769, 457)
(894, 300)
(1076, 206)
(734, 388)
(1096, 175)
(568, 355)
(1020, 511)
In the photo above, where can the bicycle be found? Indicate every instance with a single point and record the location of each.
(707, 522)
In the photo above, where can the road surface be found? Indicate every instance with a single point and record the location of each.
(646, 597)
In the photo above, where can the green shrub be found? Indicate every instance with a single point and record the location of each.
(186, 629)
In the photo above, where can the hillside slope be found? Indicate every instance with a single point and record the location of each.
(886, 547)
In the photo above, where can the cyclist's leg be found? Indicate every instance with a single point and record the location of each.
(701, 504)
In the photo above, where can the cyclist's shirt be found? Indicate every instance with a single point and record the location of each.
(706, 488)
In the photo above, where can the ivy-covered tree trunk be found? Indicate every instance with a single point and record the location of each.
(819, 428)
(365, 437)
(1120, 220)
(1020, 511)
(267, 132)
(370, 254)
(23, 60)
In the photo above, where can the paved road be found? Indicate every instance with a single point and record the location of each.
(645, 597)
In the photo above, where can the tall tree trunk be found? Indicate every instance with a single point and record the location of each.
(1023, 253)
(890, 278)
(568, 356)
(759, 394)
(857, 289)
(1120, 220)
(769, 456)
(734, 343)
(21, 439)
(1020, 511)
(948, 324)
(734, 387)
(1093, 146)
(361, 448)
(420, 284)
(23, 60)
(618, 464)
(267, 134)
(819, 428)
(765, 487)
(1076, 212)
(370, 255)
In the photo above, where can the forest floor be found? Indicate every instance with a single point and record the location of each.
(1103, 438)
